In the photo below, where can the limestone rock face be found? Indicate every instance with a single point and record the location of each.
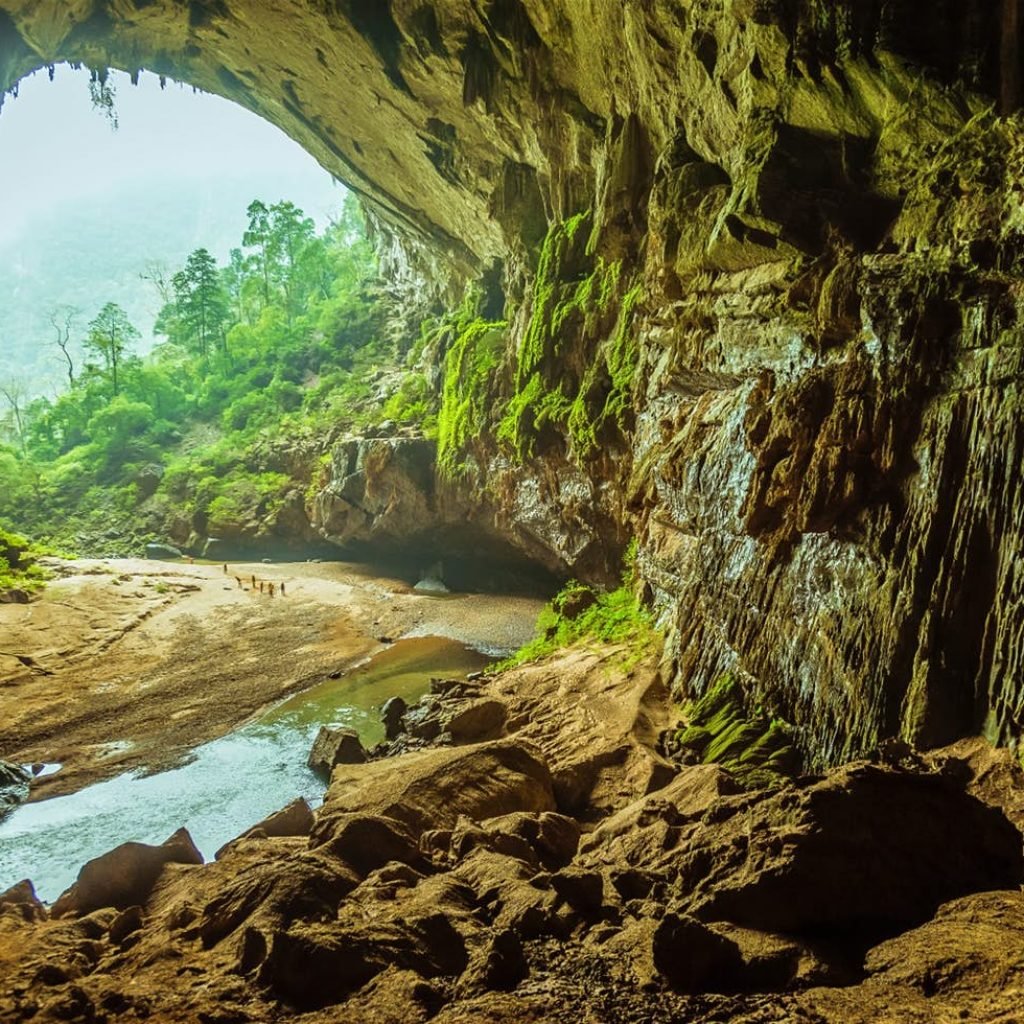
(782, 348)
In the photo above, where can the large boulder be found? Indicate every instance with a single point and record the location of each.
(865, 849)
(431, 789)
(21, 898)
(477, 720)
(162, 552)
(125, 876)
(294, 819)
(391, 715)
(333, 747)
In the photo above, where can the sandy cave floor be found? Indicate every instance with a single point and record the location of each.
(128, 664)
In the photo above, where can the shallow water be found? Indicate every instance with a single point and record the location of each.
(231, 783)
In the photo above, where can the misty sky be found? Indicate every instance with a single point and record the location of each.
(54, 146)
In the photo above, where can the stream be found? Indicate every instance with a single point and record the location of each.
(230, 783)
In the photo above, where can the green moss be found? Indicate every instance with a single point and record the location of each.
(581, 614)
(622, 359)
(468, 368)
(758, 751)
(18, 567)
(574, 308)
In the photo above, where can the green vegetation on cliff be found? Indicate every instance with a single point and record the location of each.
(756, 749)
(469, 365)
(576, 366)
(272, 353)
(582, 614)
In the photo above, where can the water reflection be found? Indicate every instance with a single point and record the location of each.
(231, 783)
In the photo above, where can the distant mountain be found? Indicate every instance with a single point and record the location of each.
(88, 254)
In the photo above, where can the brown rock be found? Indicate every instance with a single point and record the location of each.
(480, 719)
(864, 848)
(695, 959)
(367, 841)
(295, 819)
(499, 966)
(431, 789)
(126, 875)
(313, 965)
(126, 923)
(333, 747)
(553, 837)
(21, 897)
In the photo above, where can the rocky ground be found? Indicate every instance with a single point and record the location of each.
(127, 664)
(522, 853)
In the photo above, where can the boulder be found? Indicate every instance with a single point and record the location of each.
(295, 819)
(312, 965)
(163, 552)
(391, 715)
(431, 789)
(695, 959)
(367, 842)
(865, 849)
(126, 875)
(126, 923)
(22, 898)
(480, 719)
(554, 838)
(499, 966)
(333, 747)
(15, 596)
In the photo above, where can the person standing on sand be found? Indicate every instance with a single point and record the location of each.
(282, 588)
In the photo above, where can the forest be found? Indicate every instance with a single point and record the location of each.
(276, 348)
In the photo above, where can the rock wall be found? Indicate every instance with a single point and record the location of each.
(782, 347)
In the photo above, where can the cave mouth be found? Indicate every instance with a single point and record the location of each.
(466, 558)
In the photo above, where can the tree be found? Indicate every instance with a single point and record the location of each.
(257, 236)
(62, 318)
(15, 394)
(111, 336)
(201, 304)
(291, 234)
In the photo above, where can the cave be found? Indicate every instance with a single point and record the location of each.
(759, 261)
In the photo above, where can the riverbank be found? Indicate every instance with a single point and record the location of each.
(127, 664)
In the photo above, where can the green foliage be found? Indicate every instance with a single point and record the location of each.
(110, 337)
(413, 404)
(18, 567)
(280, 345)
(574, 304)
(580, 614)
(757, 750)
(468, 366)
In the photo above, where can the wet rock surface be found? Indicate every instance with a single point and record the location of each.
(332, 747)
(461, 883)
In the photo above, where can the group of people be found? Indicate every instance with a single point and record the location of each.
(265, 586)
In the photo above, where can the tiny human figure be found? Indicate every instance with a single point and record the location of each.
(271, 586)
(238, 580)
(254, 583)
(261, 586)
(225, 568)
(282, 588)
